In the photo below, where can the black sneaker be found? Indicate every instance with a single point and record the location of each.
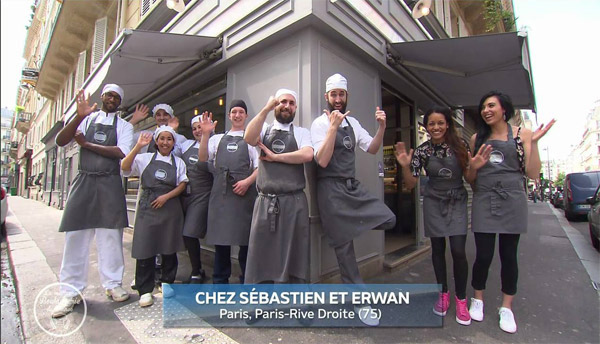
(198, 279)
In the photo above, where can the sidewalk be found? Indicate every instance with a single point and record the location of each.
(556, 302)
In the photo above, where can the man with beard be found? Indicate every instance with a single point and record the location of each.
(96, 203)
(347, 209)
(279, 236)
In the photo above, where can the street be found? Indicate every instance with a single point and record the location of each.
(556, 301)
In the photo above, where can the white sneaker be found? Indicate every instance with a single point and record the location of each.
(366, 315)
(118, 294)
(65, 306)
(476, 310)
(507, 320)
(146, 300)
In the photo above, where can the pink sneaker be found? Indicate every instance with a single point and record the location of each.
(441, 306)
(462, 312)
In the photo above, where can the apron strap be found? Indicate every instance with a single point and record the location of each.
(272, 210)
(498, 192)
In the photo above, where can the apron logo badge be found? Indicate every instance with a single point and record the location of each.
(347, 142)
(160, 174)
(193, 159)
(232, 147)
(445, 173)
(278, 146)
(496, 157)
(100, 137)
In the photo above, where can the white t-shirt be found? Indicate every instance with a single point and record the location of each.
(142, 161)
(213, 145)
(124, 128)
(320, 125)
(302, 135)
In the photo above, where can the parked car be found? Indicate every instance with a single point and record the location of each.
(594, 218)
(577, 188)
(3, 211)
(557, 199)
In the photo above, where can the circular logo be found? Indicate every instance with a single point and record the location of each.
(496, 157)
(347, 142)
(45, 301)
(278, 146)
(232, 147)
(100, 136)
(160, 174)
(193, 159)
(445, 173)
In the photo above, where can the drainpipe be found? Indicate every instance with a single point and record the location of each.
(122, 15)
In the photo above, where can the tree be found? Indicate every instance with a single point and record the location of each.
(560, 180)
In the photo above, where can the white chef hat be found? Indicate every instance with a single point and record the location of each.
(195, 119)
(283, 91)
(336, 81)
(168, 109)
(114, 88)
(162, 129)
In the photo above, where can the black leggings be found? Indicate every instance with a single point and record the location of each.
(193, 248)
(509, 272)
(459, 263)
(145, 272)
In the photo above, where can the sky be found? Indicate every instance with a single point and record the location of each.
(563, 44)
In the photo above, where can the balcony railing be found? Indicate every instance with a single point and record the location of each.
(23, 122)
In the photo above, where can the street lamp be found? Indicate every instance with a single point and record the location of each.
(547, 149)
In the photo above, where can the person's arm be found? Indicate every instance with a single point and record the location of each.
(241, 187)
(127, 162)
(404, 160)
(378, 139)
(83, 110)
(140, 114)
(254, 128)
(530, 145)
(107, 151)
(207, 126)
(300, 156)
(476, 162)
(325, 152)
(162, 199)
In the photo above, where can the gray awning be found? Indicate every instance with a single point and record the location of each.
(142, 62)
(460, 70)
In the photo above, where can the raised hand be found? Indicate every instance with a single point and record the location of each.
(83, 104)
(401, 156)
(80, 138)
(144, 139)
(335, 117)
(541, 131)
(206, 123)
(140, 113)
(174, 123)
(481, 158)
(272, 103)
(380, 117)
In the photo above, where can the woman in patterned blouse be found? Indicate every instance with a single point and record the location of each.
(444, 157)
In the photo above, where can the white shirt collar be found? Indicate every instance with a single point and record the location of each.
(280, 126)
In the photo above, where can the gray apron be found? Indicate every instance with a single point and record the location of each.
(158, 231)
(347, 209)
(279, 238)
(195, 199)
(97, 198)
(230, 215)
(445, 198)
(499, 198)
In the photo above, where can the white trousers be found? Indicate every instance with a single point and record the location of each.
(75, 263)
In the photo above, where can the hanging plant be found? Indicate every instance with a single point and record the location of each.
(494, 13)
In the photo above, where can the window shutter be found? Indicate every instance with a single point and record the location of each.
(146, 6)
(99, 43)
(80, 72)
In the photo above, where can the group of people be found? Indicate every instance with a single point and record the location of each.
(504, 156)
(245, 188)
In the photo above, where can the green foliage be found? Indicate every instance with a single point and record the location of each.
(19, 109)
(560, 180)
(494, 14)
